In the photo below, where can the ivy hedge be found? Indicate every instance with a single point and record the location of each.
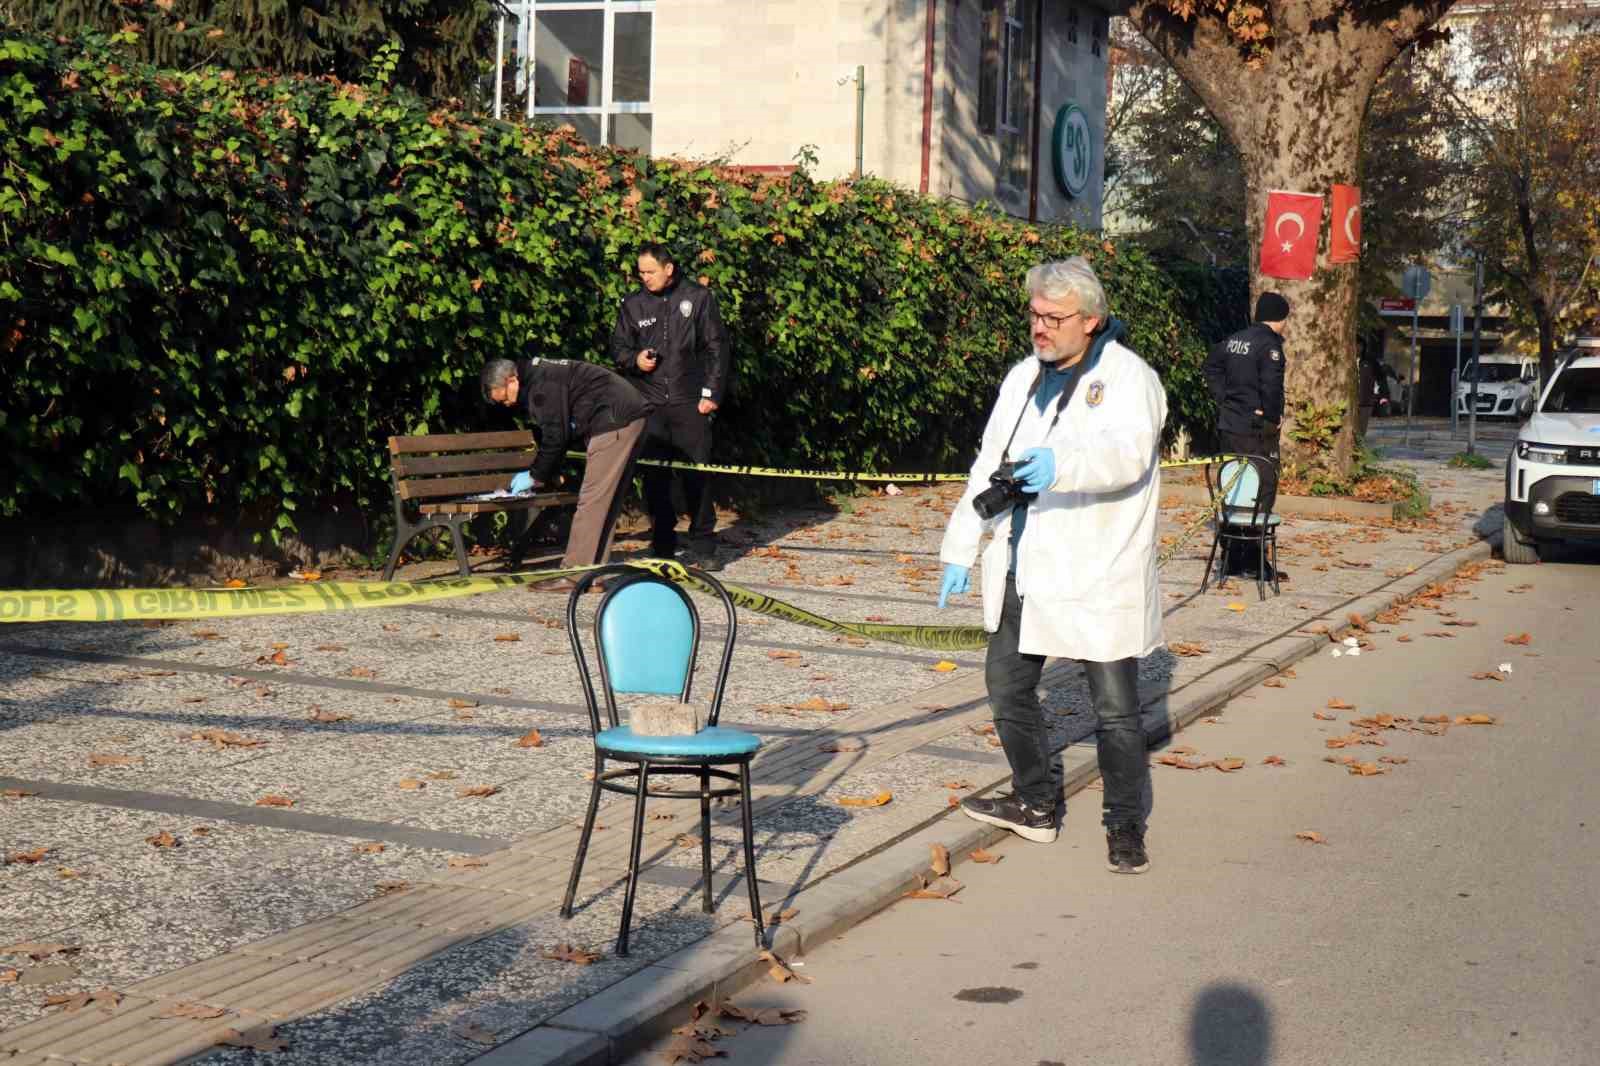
(220, 292)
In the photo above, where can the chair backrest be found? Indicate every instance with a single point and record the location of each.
(647, 638)
(1240, 482)
(647, 632)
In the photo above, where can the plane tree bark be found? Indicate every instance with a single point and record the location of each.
(1290, 82)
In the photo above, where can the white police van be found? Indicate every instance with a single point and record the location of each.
(1503, 380)
(1553, 472)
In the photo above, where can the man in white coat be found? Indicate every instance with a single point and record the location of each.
(1071, 569)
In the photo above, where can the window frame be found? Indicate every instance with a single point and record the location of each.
(525, 62)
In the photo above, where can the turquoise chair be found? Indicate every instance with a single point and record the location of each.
(646, 638)
(1241, 517)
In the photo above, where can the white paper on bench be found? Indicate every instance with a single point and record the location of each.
(500, 494)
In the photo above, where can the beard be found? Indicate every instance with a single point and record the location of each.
(1048, 356)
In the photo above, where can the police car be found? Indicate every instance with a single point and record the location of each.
(1553, 472)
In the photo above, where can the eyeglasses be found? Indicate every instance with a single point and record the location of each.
(1051, 321)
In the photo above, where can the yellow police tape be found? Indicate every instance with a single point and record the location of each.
(845, 475)
(124, 605)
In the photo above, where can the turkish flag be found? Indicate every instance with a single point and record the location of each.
(1289, 238)
(1344, 235)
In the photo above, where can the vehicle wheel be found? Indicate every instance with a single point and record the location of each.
(1515, 548)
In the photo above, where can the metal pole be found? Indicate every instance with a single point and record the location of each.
(861, 117)
(1455, 390)
(1477, 335)
(1411, 390)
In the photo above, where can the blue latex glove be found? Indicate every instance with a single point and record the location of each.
(954, 581)
(523, 482)
(1037, 469)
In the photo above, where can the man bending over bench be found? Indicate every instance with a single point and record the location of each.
(567, 400)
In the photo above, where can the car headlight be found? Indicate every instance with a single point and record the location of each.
(1534, 452)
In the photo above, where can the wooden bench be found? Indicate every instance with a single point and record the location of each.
(434, 474)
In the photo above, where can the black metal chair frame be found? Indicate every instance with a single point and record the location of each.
(1259, 530)
(634, 780)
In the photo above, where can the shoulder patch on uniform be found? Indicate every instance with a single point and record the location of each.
(1097, 392)
(1274, 355)
(685, 308)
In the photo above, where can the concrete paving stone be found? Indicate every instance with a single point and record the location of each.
(547, 1046)
(388, 950)
(66, 1035)
(291, 988)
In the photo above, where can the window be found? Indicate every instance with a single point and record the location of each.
(1072, 25)
(583, 62)
(1097, 41)
(1014, 63)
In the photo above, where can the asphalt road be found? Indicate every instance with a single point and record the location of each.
(1450, 917)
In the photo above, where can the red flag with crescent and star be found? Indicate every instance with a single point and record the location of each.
(1344, 235)
(1289, 238)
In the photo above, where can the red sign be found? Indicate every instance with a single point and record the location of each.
(1344, 235)
(1289, 237)
(1397, 303)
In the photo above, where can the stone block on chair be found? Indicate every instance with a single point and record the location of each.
(663, 719)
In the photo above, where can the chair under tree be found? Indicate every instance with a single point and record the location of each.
(1242, 519)
(646, 640)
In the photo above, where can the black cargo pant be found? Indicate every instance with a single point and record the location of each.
(1013, 683)
(677, 431)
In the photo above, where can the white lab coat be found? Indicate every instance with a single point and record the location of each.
(1086, 567)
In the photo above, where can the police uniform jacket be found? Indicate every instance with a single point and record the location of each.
(1086, 563)
(684, 327)
(566, 401)
(1245, 374)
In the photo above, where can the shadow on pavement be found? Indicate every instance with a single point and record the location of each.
(1229, 1025)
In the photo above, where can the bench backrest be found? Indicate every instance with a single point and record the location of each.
(441, 465)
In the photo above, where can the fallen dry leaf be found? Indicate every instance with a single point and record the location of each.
(942, 887)
(9, 977)
(1488, 675)
(684, 840)
(1311, 835)
(1272, 682)
(363, 671)
(1340, 705)
(477, 790)
(113, 760)
(567, 953)
(274, 800)
(1367, 769)
(1403, 639)
(530, 739)
(764, 1016)
(188, 1009)
(782, 653)
(944, 666)
(17, 793)
(777, 917)
(163, 839)
(71, 1001)
(1187, 649)
(320, 715)
(386, 887)
(478, 1035)
(959, 783)
(780, 971)
(1437, 634)
(260, 1038)
(1228, 765)
(221, 738)
(817, 703)
(40, 950)
(939, 859)
(26, 858)
(370, 848)
(1325, 717)
(460, 703)
(466, 862)
(981, 855)
(878, 799)
(836, 746)
(1520, 638)
(508, 638)
(1235, 606)
(1169, 759)
(411, 783)
(1274, 760)
(1474, 719)
(1397, 760)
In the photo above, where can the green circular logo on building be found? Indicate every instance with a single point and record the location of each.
(1073, 149)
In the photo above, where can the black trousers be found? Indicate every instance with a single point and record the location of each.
(1012, 679)
(677, 431)
(1262, 442)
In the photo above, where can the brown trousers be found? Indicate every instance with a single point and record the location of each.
(605, 476)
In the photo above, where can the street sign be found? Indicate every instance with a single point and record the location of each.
(1396, 305)
(1416, 282)
(1458, 321)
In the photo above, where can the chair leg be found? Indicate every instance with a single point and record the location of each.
(633, 858)
(1277, 590)
(1261, 567)
(583, 841)
(705, 838)
(1211, 559)
(750, 856)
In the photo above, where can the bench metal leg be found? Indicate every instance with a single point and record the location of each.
(461, 548)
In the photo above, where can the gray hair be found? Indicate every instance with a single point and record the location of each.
(1070, 277)
(496, 372)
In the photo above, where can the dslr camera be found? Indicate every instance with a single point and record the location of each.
(1005, 491)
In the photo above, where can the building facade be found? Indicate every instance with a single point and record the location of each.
(975, 100)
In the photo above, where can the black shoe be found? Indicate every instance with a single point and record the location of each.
(702, 554)
(1125, 852)
(1008, 812)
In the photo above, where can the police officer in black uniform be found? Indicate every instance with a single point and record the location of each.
(669, 342)
(1245, 375)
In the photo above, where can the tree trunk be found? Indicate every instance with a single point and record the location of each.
(1295, 115)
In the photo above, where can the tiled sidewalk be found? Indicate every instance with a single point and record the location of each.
(277, 915)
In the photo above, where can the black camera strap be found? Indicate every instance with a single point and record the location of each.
(1068, 387)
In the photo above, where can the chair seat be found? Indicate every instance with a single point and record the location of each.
(1242, 518)
(706, 744)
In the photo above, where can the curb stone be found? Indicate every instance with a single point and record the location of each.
(608, 1026)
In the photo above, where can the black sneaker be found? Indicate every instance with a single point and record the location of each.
(1030, 823)
(1125, 852)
